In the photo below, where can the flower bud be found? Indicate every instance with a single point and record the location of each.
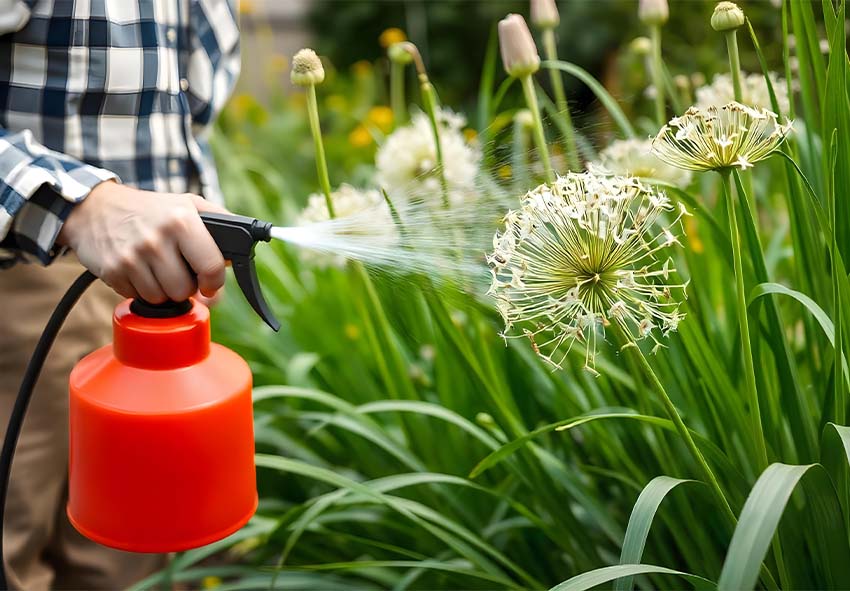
(727, 16)
(524, 119)
(307, 69)
(519, 53)
(398, 53)
(653, 12)
(544, 14)
(640, 46)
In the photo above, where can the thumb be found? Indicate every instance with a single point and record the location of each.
(202, 205)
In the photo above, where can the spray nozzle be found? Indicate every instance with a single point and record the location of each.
(236, 236)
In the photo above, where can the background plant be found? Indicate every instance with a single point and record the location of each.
(402, 445)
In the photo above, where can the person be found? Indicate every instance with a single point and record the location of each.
(104, 107)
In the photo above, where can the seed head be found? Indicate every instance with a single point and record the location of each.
(719, 138)
(653, 12)
(307, 69)
(519, 53)
(544, 14)
(582, 254)
(727, 16)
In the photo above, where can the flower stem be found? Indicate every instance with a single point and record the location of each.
(734, 62)
(321, 162)
(429, 100)
(743, 321)
(679, 424)
(658, 75)
(397, 97)
(551, 49)
(539, 137)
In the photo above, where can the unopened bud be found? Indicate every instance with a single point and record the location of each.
(653, 12)
(727, 16)
(544, 14)
(641, 46)
(398, 53)
(682, 82)
(307, 69)
(519, 53)
(524, 119)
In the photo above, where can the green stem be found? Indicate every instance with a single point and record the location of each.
(658, 75)
(550, 47)
(681, 428)
(743, 321)
(397, 97)
(539, 137)
(429, 99)
(734, 62)
(321, 162)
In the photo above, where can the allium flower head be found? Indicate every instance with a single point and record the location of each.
(634, 157)
(754, 91)
(406, 162)
(307, 69)
(582, 255)
(718, 138)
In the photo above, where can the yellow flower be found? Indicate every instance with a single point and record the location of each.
(360, 137)
(391, 36)
(211, 582)
(278, 64)
(336, 102)
(693, 237)
(470, 134)
(361, 68)
(505, 171)
(246, 7)
(352, 332)
(380, 117)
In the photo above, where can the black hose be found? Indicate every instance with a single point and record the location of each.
(19, 411)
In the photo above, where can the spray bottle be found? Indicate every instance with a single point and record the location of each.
(161, 425)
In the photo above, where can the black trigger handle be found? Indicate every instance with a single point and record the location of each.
(236, 236)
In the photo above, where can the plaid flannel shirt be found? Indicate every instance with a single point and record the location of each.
(92, 90)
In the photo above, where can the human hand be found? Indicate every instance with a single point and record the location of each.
(138, 242)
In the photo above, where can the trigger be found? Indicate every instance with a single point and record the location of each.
(246, 277)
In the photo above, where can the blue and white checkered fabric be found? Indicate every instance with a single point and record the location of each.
(99, 89)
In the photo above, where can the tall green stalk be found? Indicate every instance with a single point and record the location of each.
(743, 321)
(681, 428)
(321, 161)
(658, 75)
(539, 136)
(397, 96)
(550, 47)
(429, 100)
(734, 62)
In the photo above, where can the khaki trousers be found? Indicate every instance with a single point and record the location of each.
(43, 551)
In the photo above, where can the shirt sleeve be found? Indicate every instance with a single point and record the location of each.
(38, 189)
(14, 14)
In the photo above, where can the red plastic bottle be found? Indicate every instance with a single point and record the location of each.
(161, 436)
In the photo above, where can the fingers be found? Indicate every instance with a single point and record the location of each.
(201, 252)
(145, 284)
(202, 204)
(173, 274)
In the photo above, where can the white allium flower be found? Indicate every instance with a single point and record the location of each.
(720, 137)
(753, 92)
(634, 157)
(406, 163)
(583, 254)
(360, 212)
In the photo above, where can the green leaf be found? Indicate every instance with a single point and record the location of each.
(640, 521)
(597, 577)
(606, 99)
(760, 518)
